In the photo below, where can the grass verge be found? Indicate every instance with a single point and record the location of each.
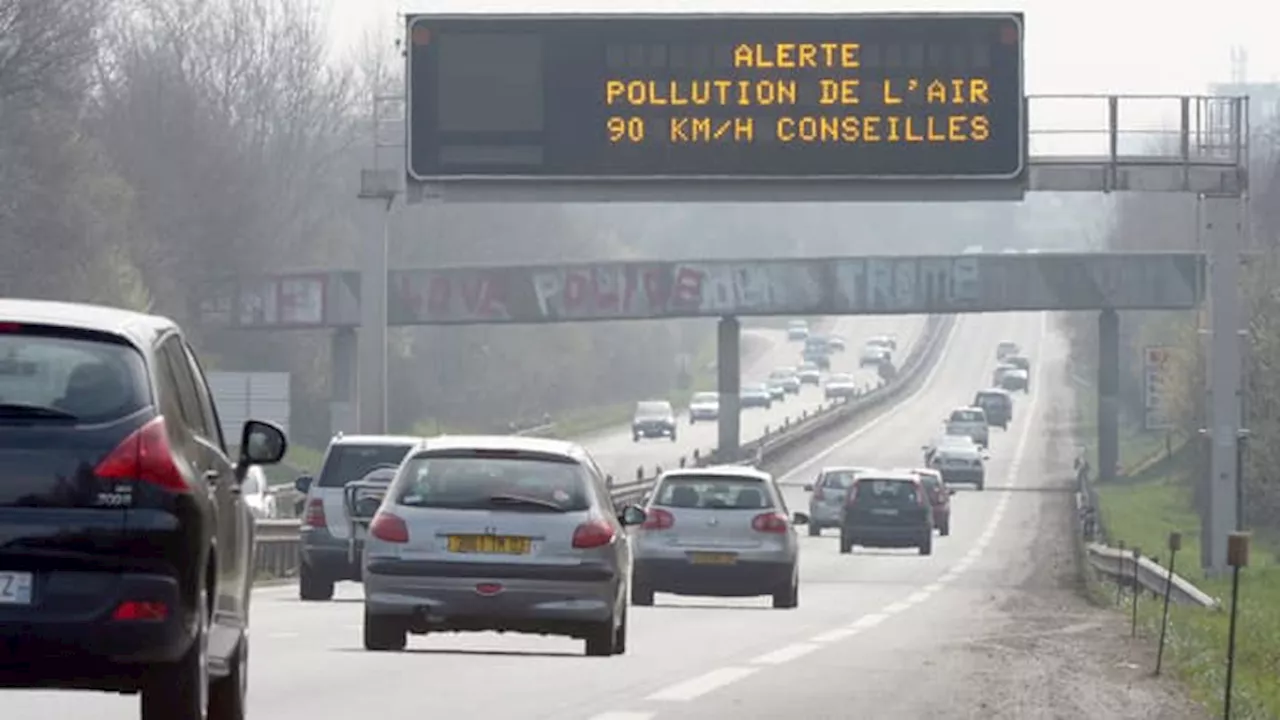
(1150, 502)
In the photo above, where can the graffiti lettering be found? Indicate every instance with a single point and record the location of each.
(599, 291)
(443, 297)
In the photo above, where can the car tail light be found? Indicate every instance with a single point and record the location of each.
(770, 522)
(593, 534)
(145, 456)
(658, 519)
(314, 516)
(134, 611)
(389, 528)
(851, 494)
(921, 498)
(10, 327)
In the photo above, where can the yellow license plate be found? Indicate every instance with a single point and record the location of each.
(713, 558)
(492, 544)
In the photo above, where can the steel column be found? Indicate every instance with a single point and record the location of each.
(729, 383)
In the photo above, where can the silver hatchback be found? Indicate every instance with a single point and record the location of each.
(498, 533)
(718, 531)
(826, 504)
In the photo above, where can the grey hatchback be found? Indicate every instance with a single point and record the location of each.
(508, 534)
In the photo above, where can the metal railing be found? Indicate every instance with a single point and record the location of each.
(1121, 566)
(278, 540)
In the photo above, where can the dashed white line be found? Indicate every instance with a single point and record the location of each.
(919, 597)
(868, 621)
(934, 587)
(703, 684)
(623, 715)
(835, 635)
(897, 607)
(785, 654)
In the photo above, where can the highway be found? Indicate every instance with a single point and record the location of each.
(866, 625)
(619, 456)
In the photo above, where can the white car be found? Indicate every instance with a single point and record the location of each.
(958, 459)
(971, 421)
(840, 385)
(797, 330)
(874, 355)
(704, 406)
(257, 495)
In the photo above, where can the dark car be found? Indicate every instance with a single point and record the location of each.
(127, 556)
(653, 418)
(998, 406)
(1006, 349)
(887, 510)
(939, 497)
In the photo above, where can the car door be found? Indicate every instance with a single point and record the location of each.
(216, 476)
(601, 486)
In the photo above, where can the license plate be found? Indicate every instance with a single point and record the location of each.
(885, 511)
(490, 544)
(713, 558)
(15, 588)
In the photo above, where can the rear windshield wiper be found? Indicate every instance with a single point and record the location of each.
(525, 501)
(29, 411)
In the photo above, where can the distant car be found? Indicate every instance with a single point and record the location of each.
(787, 378)
(959, 459)
(720, 532)
(1014, 379)
(821, 358)
(506, 534)
(835, 343)
(887, 341)
(887, 510)
(755, 395)
(809, 374)
(1006, 349)
(939, 496)
(1020, 362)
(997, 405)
(971, 421)
(653, 418)
(874, 356)
(329, 550)
(826, 503)
(257, 495)
(840, 386)
(797, 330)
(704, 406)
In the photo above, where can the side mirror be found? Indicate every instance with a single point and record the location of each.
(262, 443)
(799, 519)
(303, 483)
(632, 515)
(808, 487)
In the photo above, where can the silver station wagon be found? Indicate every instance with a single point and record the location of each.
(498, 533)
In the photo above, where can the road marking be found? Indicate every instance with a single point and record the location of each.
(282, 635)
(703, 684)
(834, 635)
(785, 654)
(933, 587)
(921, 596)
(623, 715)
(896, 608)
(869, 621)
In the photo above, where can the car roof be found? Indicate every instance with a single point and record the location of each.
(727, 471)
(966, 408)
(995, 391)
(139, 328)
(376, 440)
(845, 469)
(896, 475)
(919, 471)
(518, 443)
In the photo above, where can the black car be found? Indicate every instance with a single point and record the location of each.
(997, 405)
(653, 418)
(887, 511)
(126, 551)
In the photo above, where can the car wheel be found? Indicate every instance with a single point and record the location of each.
(846, 544)
(814, 529)
(179, 690)
(635, 438)
(979, 485)
(945, 529)
(673, 437)
(601, 639)
(927, 547)
(790, 597)
(227, 696)
(620, 635)
(384, 633)
(641, 595)
(312, 587)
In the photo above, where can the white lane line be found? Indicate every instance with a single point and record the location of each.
(282, 635)
(933, 587)
(623, 715)
(785, 654)
(868, 621)
(836, 635)
(919, 597)
(703, 684)
(897, 607)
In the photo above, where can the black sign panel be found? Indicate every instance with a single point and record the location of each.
(936, 96)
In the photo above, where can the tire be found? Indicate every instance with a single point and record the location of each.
(945, 529)
(641, 595)
(313, 587)
(980, 485)
(846, 544)
(673, 436)
(227, 697)
(601, 639)
(179, 690)
(620, 635)
(927, 547)
(635, 438)
(788, 598)
(384, 633)
(814, 529)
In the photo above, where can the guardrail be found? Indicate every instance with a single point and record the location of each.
(1121, 566)
(277, 540)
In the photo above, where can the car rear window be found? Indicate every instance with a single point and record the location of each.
(516, 483)
(714, 493)
(347, 463)
(966, 416)
(842, 479)
(651, 409)
(91, 377)
(706, 397)
(881, 492)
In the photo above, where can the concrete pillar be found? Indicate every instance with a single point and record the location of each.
(729, 382)
(342, 388)
(1222, 232)
(372, 340)
(1108, 394)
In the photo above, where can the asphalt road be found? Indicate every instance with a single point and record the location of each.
(619, 456)
(866, 626)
